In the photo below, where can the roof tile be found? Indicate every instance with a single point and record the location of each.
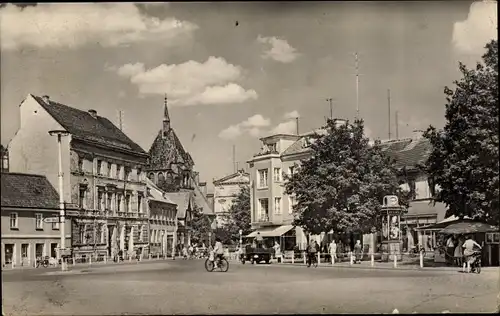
(28, 190)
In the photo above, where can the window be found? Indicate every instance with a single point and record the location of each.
(13, 221)
(161, 178)
(120, 172)
(139, 203)
(99, 167)
(264, 209)
(55, 226)
(109, 170)
(291, 170)
(127, 174)
(272, 147)
(263, 178)
(80, 164)
(127, 203)
(5, 162)
(81, 197)
(277, 174)
(139, 174)
(277, 205)
(39, 221)
(100, 200)
(110, 199)
(117, 171)
(118, 202)
(141, 233)
(151, 176)
(24, 250)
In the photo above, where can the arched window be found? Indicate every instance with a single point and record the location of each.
(161, 178)
(151, 176)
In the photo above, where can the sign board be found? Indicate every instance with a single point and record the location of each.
(51, 220)
(72, 213)
(391, 200)
(71, 205)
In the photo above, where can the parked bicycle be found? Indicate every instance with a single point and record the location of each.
(43, 261)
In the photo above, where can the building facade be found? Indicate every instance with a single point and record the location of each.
(26, 200)
(103, 174)
(226, 190)
(171, 168)
(162, 221)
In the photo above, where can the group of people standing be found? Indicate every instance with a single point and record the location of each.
(458, 248)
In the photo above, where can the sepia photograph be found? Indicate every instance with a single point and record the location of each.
(232, 158)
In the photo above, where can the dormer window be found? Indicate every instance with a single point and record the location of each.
(272, 147)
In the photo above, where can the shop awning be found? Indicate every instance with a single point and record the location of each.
(444, 223)
(271, 231)
(468, 228)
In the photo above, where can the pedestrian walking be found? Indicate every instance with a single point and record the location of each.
(450, 250)
(358, 249)
(459, 252)
(333, 249)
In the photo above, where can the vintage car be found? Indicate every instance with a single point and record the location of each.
(256, 254)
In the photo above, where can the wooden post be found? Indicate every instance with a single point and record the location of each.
(395, 256)
(319, 258)
(74, 261)
(293, 257)
(333, 259)
(350, 258)
(105, 259)
(372, 259)
(90, 260)
(304, 256)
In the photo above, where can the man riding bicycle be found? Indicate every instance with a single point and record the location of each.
(218, 251)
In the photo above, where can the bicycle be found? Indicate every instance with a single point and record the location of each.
(222, 264)
(415, 251)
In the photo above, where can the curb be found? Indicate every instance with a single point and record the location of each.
(400, 268)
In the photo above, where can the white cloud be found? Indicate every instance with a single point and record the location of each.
(291, 115)
(279, 49)
(289, 127)
(71, 25)
(471, 35)
(191, 83)
(251, 125)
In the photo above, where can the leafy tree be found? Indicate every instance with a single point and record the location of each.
(464, 158)
(239, 215)
(342, 184)
(201, 225)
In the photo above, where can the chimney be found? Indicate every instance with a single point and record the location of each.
(46, 99)
(93, 113)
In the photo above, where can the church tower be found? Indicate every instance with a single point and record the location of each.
(166, 118)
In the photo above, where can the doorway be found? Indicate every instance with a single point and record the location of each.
(9, 253)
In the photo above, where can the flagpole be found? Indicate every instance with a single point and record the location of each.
(357, 84)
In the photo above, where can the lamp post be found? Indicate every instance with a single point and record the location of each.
(62, 213)
(241, 238)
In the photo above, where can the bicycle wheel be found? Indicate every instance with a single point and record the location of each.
(209, 265)
(224, 265)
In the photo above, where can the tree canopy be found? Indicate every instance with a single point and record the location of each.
(239, 215)
(464, 159)
(342, 184)
(201, 225)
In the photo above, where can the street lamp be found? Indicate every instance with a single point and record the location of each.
(62, 219)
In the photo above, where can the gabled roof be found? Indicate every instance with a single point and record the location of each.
(167, 150)
(239, 177)
(300, 146)
(82, 125)
(183, 201)
(156, 194)
(28, 190)
(409, 153)
(201, 201)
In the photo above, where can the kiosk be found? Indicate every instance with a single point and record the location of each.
(391, 230)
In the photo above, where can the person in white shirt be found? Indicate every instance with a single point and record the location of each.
(333, 249)
(218, 251)
(469, 249)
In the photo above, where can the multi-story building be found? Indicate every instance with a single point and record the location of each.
(171, 168)
(103, 173)
(26, 200)
(4, 155)
(226, 190)
(162, 221)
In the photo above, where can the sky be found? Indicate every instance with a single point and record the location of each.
(235, 72)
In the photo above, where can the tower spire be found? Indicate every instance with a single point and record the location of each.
(166, 117)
